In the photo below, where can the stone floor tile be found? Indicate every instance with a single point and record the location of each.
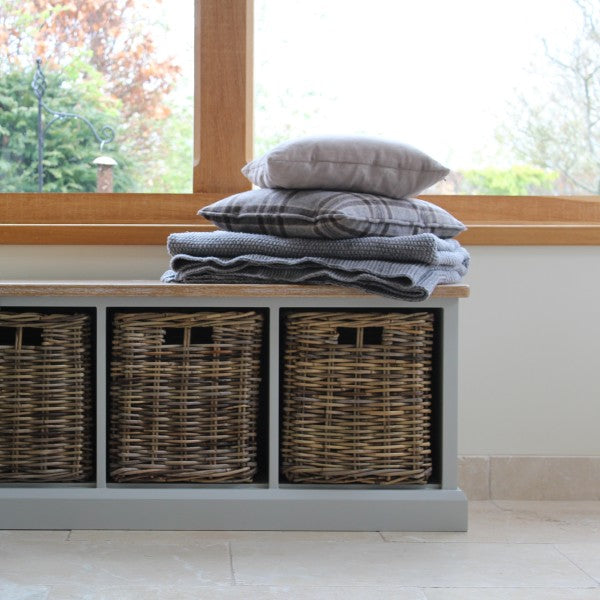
(512, 594)
(520, 522)
(405, 564)
(28, 535)
(237, 593)
(210, 537)
(114, 563)
(11, 590)
(585, 555)
(484, 518)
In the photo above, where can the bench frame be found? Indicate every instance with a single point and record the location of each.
(271, 505)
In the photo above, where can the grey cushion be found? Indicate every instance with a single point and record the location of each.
(329, 214)
(358, 164)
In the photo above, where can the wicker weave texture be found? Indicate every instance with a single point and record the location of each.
(184, 396)
(357, 397)
(45, 398)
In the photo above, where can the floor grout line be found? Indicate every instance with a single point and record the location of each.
(232, 571)
(555, 546)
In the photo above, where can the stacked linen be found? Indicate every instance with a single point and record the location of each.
(407, 267)
(333, 210)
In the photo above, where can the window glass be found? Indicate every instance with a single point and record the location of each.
(115, 79)
(506, 94)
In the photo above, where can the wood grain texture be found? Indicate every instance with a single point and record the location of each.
(222, 138)
(223, 95)
(223, 141)
(480, 234)
(21, 288)
(521, 209)
(531, 234)
(178, 208)
(91, 234)
(50, 209)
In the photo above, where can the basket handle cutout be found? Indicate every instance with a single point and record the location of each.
(373, 336)
(201, 335)
(20, 336)
(173, 336)
(7, 336)
(176, 336)
(360, 336)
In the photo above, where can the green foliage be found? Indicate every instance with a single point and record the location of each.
(520, 180)
(170, 165)
(110, 68)
(70, 146)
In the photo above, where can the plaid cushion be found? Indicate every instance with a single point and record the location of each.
(329, 214)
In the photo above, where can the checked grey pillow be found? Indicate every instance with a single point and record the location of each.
(329, 214)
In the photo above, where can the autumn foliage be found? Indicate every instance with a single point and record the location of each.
(106, 58)
(113, 35)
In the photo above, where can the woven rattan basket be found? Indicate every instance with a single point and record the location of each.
(357, 397)
(45, 397)
(184, 396)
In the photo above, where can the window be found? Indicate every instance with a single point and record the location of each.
(222, 131)
(99, 94)
(223, 143)
(512, 109)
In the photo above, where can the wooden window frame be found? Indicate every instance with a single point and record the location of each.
(223, 144)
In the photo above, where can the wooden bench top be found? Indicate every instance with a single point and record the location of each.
(178, 290)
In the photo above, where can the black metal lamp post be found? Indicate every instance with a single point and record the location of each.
(39, 88)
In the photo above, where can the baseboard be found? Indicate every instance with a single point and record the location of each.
(530, 477)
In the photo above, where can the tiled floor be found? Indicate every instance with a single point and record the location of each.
(512, 551)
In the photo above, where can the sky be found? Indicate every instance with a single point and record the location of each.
(436, 74)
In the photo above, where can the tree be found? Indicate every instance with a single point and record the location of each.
(559, 129)
(520, 180)
(67, 165)
(172, 163)
(100, 48)
(110, 33)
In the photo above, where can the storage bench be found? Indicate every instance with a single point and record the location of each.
(337, 410)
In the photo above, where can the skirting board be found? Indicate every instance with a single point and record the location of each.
(530, 477)
(234, 509)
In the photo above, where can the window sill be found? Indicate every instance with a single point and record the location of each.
(478, 234)
(531, 234)
(138, 219)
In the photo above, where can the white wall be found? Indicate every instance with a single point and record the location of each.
(530, 338)
(530, 352)
(82, 262)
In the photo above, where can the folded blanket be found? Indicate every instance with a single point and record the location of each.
(421, 248)
(403, 280)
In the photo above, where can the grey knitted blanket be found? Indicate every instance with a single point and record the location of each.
(407, 267)
(406, 281)
(421, 248)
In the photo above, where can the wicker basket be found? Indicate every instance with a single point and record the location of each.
(184, 396)
(45, 397)
(357, 397)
